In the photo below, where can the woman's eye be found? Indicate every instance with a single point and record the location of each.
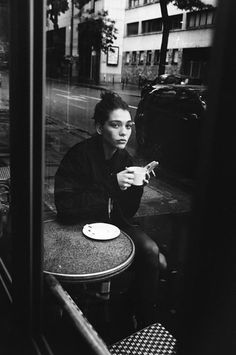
(129, 126)
(115, 125)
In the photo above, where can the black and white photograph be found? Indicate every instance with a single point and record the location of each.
(117, 177)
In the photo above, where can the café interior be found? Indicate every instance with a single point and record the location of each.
(79, 305)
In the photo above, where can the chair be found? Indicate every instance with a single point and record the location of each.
(152, 340)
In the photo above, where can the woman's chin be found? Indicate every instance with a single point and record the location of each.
(121, 145)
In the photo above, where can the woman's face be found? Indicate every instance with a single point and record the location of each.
(116, 130)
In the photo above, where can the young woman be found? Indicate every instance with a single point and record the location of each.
(94, 182)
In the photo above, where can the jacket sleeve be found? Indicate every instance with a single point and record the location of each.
(129, 200)
(77, 197)
(126, 202)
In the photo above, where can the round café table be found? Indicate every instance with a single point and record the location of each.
(71, 256)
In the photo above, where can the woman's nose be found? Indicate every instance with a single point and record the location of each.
(123, 131)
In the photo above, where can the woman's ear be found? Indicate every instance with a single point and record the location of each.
(99, 128)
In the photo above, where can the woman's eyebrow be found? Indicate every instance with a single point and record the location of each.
(130, 121)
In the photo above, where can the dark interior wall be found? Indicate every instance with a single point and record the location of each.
(207, 322)
(4, 21)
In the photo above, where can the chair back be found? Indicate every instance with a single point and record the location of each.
(93, 341)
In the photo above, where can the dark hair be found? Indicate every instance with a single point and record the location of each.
(110, 101)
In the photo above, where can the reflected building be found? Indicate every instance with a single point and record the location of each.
(189, 43)
(135, 52)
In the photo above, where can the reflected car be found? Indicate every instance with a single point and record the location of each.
(168, 125)
(169, 79)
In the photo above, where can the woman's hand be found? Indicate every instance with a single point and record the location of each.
(125, 179)
(147, 178)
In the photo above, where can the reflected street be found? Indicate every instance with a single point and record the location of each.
(69, 111)
(73, 107)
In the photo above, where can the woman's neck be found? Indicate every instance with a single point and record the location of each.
(108, 151)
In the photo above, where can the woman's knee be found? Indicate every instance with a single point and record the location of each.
(147, 251)
(151, 253)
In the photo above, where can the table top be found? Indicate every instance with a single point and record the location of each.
(71, 256)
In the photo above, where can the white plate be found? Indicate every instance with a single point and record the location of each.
(101, 231)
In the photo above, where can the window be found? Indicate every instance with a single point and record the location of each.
(176, 22)
(149, 1)
(149, 58)
(141, 57)
(210, 18)
(175, 56)
(203, 19)
(133, 3)
(134, 57)
(156, 56)
(167, 56)
(67, 110)
(154, 25)
(127, 58)
(200, 18)
(132, 28)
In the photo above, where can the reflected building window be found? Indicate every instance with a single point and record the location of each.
(141, 58)
(200, 19)
(133, 3)
(156, 56)
(149, 57)
(134, 57)
(132, 29)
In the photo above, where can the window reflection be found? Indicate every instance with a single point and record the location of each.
(168, 122)
(70, 99)
(4, 133)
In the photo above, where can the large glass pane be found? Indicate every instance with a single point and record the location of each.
(4, 129)
(166, 130)
(5, 230)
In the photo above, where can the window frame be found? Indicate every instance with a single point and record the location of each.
(141, 58)
(149, 57)
(129, 27)
(26, 14)
(176, 19)
(27, 114)
(133, 3)
(148, 26)
(175, 53)
(195, 18)
(133, 57)
(127, 58)
(156, 58)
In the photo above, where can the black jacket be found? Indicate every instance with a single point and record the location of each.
(85, 181)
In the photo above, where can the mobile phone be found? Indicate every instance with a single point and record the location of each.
(151, 166)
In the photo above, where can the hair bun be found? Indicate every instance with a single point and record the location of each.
(106, 94)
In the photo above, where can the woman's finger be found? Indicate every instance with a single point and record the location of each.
(124, 188)
(147, 177)
(129, 179)
(127, 184)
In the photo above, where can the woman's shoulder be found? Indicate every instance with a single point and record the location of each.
(124, 155)
(81, 146)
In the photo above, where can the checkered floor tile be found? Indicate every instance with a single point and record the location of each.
(153, 340)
